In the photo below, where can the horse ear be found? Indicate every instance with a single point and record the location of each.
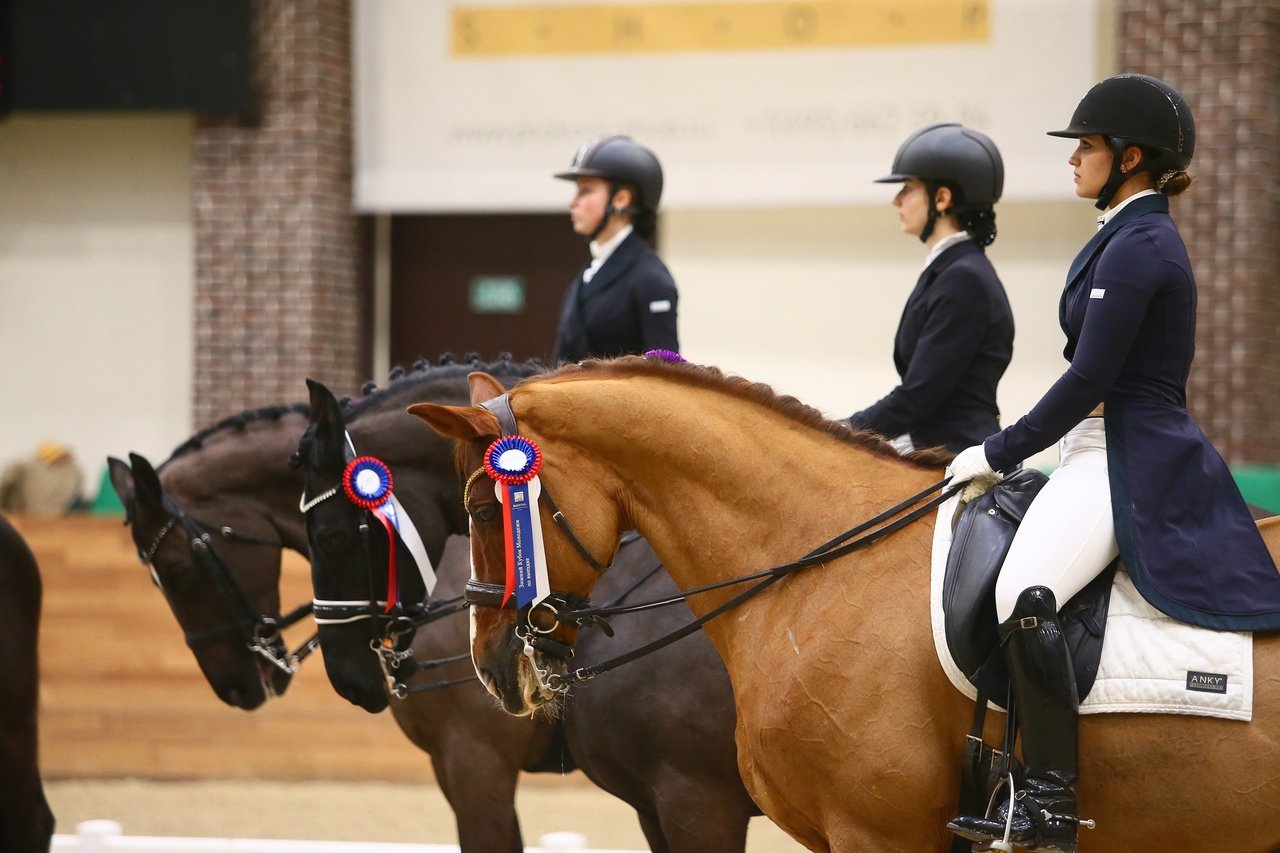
(122, 482)
(465, 423)
(483, 387)
(148, 493)
(325, 409)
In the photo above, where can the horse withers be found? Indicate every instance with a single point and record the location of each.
(26, 823)
(848, 729)
(657, 733)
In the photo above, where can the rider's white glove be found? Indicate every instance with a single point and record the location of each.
(971, 465)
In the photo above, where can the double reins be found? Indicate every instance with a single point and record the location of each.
(826, 552)
(561, 604)
(259, 631)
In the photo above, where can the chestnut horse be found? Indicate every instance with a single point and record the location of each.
(671, 756)
(26, 823)
(849, 734)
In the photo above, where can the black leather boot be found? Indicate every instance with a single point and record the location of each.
(1044, 687)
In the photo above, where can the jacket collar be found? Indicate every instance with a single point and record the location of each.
(613, 267)
(1138, 207)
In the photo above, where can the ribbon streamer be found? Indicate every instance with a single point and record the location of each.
(514, 462)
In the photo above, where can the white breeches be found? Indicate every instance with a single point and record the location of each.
(1068, 535)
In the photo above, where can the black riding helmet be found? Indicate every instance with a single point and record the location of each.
(621, 161)
(1134, 109)
(954, 154)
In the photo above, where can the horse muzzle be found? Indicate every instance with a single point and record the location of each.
(529, 672)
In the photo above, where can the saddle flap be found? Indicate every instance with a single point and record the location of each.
(981, 539)
(979, 544)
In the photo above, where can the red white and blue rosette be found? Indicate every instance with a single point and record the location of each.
(367, 482)
(513, 462)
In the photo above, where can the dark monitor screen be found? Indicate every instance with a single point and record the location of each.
(129, 55)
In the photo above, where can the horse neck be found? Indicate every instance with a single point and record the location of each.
(421, 461)
(723, 486)
(249, 470)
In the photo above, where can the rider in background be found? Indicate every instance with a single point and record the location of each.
(624, 300)
(1136, 474)
(955, 338)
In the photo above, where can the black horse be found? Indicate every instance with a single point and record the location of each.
(657, 733)
(26, 823)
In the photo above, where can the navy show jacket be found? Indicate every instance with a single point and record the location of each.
(954, 341)
(1184, 531)
(628, 307)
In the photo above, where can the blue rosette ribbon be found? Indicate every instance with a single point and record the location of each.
(513, 462)
(367, 483)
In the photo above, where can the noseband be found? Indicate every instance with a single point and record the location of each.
(259, 631)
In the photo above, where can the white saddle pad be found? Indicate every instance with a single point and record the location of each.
(1151, 664)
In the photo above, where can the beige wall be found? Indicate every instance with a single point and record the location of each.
(96, 274)
(95, 285)
(808, 299)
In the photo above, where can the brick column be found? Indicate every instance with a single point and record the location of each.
(277, 295)
(1225, 59)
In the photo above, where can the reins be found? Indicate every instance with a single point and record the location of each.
(258, 630)
(857, 537)
(830, 550)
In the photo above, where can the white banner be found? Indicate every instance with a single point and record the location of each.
(472, 105)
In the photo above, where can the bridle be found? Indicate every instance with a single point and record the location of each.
(259, 632)
(397, 619)
(572, 609)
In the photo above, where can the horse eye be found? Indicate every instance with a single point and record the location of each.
(335, 540)
(486, 513)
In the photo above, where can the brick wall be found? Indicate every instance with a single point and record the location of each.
(1225, 59)
(277, 296)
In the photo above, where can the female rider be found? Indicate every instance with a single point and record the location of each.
(955, 338)
(624, 300)
(1136, 474)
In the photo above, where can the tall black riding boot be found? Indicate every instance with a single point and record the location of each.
(1044, 687)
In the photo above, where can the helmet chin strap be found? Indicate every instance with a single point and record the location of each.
(934, 214)
(1118, 176)
(609, 212)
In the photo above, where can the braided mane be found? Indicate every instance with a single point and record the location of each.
(713, 379)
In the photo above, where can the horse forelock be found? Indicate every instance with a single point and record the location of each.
(715, 380)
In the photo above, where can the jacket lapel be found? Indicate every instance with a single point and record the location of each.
(1132, 211)
(613, 267)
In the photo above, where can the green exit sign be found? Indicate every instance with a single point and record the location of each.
(497, 294)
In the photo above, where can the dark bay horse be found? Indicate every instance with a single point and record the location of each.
(26, 823)
(848, 731)
(232, 484)
(667, 752)
(237, 476)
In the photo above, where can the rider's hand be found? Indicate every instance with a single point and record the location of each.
(971, 466)
(971, 463)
